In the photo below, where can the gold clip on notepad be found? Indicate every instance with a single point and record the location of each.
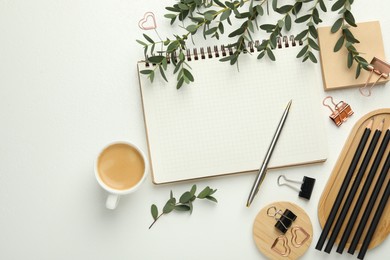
(340, 111)
(380, 68)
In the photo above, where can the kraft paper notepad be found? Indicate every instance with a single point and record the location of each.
(335, 72)
(223, 123)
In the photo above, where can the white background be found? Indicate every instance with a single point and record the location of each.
(68, 86)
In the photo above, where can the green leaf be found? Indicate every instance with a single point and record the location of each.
(274, 4)
(171, 195)
(349, 36)
(155, 59)
(339, 44)
(154, 211)
(297, 8)
(192, 28)
(322, 6)
(337, 5)
(191, 206)
(188, 75)
(148, 38)
(313, 32)
(180, 83)
(312, 57)
(146, 72)
(302, 51)
(211, 30)
(182, 208)
(225, 15)
(270, 54)
(173, 46)
(261, 55)
(337, 25)
(212, 198)
(358, 69)
(164, 63)
(221, 28)
(209, 16)
(259, 10)
(151, 76)
(175, 9)
(349, 18)
(273, 40)
(287, 22)
(316, 17)
(186, 197)
(280, 23)
(303, 18)
(181, 56)
(250, 26)
(350, 59)
(239, 31)
(142, 43)
(219, 3)
(193, 190)
(230, 5)
(284, 9)
(170, 16)
(183, 6)
(300, 35)
(313, 44)
(162, 73)
(169, 206)
(204, 193)
(267, 27)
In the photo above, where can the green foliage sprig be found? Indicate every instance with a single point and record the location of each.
(347, 39)
(184, 203)
(212, 17)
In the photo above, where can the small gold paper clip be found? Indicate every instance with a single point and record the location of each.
(340, 111)
(299, 233)
(280, 246)
(380, 68)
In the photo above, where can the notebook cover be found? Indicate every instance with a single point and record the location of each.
(335, 73)
(223, 123)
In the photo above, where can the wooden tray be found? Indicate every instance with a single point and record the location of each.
(265, 233)
(334, 183)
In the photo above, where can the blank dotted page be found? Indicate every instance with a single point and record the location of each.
(223, 123)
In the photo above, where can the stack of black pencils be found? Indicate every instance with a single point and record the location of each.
(353, 192)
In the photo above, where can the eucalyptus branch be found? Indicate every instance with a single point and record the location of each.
(185, 202)
(210, 18)
(347, 37)
(274, 30)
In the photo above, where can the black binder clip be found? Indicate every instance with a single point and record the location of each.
(340, 111)
(284, 222)
(306, 187)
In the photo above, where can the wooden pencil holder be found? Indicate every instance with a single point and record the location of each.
(336, 178)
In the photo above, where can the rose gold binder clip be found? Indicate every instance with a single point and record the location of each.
(380, 68)
(340, 111)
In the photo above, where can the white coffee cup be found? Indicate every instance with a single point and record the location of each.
(120, 169)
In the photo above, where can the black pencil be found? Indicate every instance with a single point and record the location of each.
(354, 188)
(370, 205)
(375, 221)
(363, 193)
(344, 186)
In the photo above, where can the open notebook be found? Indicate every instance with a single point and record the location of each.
(224, 122)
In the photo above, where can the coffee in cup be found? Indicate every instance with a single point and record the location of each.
(120, 168)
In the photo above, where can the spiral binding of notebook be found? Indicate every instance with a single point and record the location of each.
(223, 51)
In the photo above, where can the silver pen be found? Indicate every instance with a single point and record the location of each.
(263, 169)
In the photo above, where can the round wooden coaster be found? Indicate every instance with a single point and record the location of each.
(272, 242)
